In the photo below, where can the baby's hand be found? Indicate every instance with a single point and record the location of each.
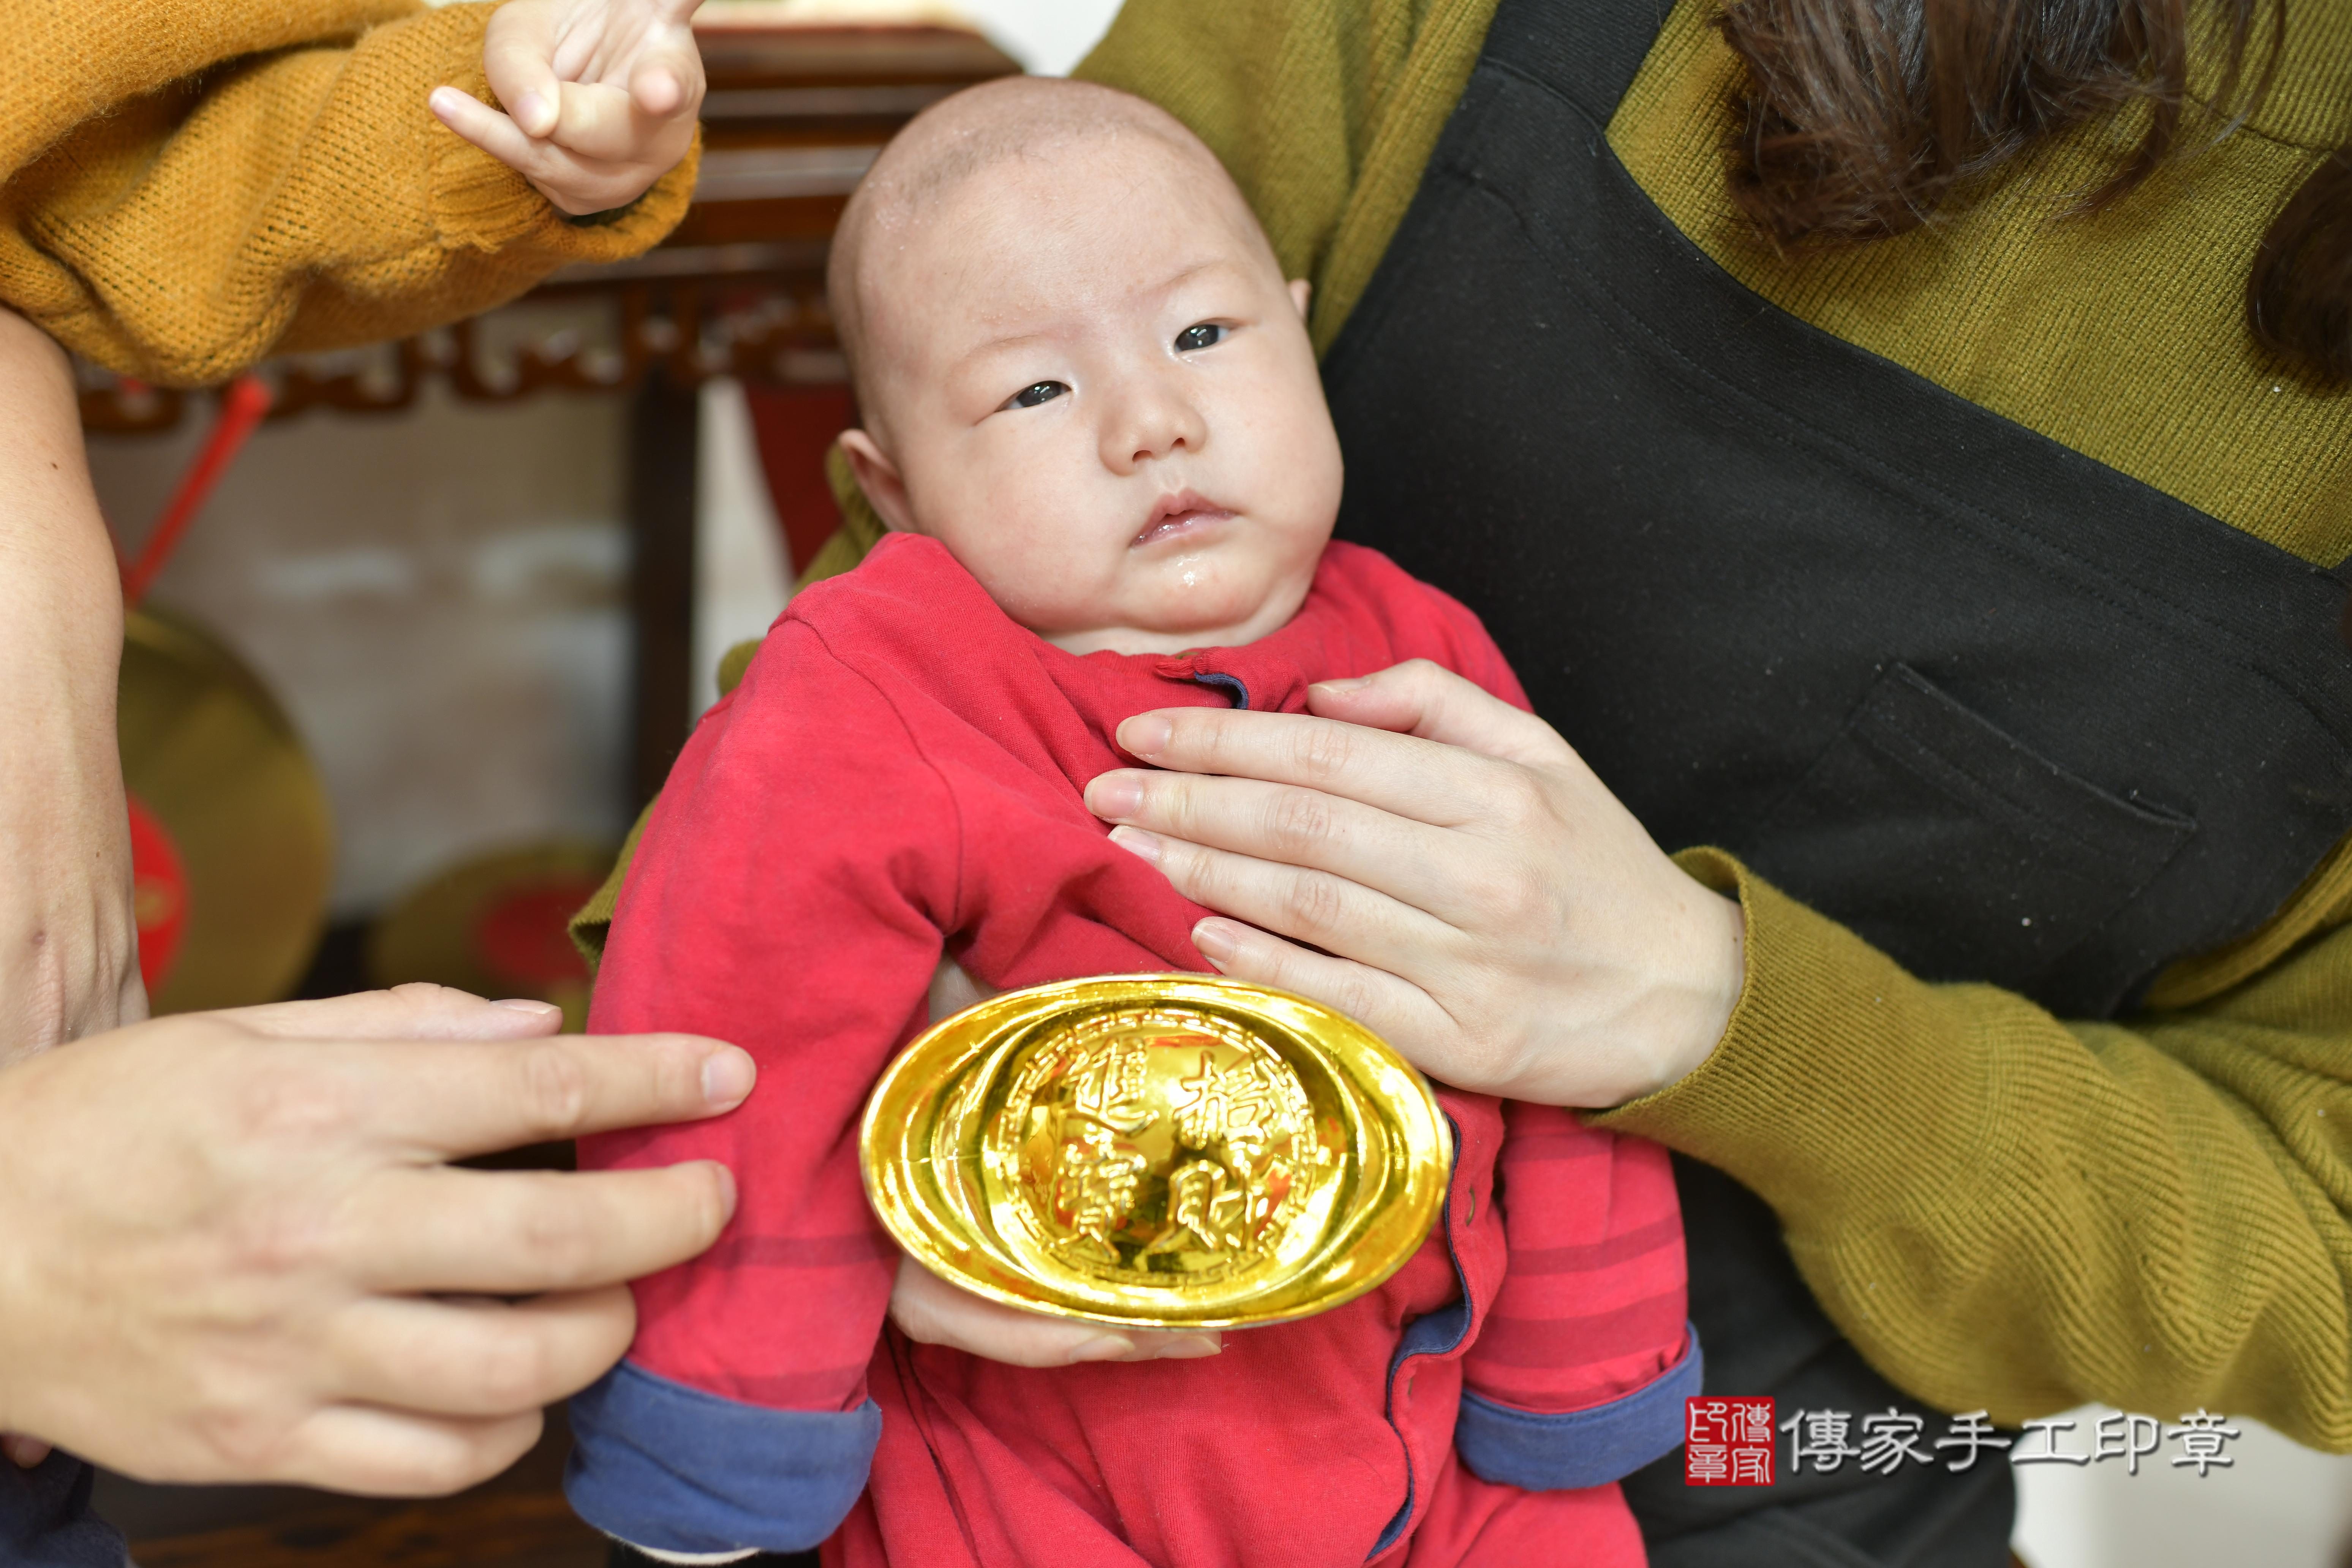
(601, 96)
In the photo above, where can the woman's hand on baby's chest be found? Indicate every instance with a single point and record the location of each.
(1477, 894)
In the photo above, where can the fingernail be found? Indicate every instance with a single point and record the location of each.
(532, 113)
(1189, 1347)
(1214, 939)
(1348, 684)
(727, 1077)
(1145, 735)
(1114, 796)
(726, 1187)
(531, 1004)
(1144, 846)
(1102, 1347)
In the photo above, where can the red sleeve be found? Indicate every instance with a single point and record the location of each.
(1593, 1305)
(1472, 654)
(789, 895)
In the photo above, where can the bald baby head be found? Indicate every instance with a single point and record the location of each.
(953, 152)
(1080, 370)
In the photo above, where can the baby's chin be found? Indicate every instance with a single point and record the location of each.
(1182, 622)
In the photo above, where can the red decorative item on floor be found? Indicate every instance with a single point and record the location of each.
(520, 937)
(159, 895)
(243, 408)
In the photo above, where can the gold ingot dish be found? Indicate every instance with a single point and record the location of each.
(1156, 1151)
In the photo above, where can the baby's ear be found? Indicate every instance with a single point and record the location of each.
(878, 476)
(1300, 291)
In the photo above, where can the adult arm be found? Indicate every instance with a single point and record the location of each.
(2000, 1208)
(68, 964)
(2007, 1209)
(190, 187)
(234, 1250)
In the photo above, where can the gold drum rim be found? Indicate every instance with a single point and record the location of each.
(1156, 1151)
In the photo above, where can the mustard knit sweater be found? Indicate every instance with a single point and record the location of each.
(2001, 1208)
(190, 184)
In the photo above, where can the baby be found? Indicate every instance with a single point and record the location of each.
(1094, 425)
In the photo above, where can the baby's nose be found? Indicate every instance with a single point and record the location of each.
(1155, 425)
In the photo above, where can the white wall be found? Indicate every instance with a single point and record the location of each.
(741, 578)
(1047, 36)
(437, 597)
(2277, 1505)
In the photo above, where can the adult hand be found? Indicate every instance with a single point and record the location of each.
(601, 97)
(929, 1310)
(68, 961)
(1479, 897)
(231, 1248)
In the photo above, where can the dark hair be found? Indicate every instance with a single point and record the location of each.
(1864, 118)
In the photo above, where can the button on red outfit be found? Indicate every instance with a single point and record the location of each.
(900, 775)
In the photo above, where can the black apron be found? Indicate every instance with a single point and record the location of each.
(2007, 713)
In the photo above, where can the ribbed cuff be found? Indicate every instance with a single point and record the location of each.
(1828, 1035)
(479, 204)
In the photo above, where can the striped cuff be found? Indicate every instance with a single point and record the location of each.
(684, 1475)
(1544, 1451)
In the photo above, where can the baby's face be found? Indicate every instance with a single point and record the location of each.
(1095, 388)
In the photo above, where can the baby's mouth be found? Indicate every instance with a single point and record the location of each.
(1174, 515)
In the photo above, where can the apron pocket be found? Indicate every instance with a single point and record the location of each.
(1952, 847)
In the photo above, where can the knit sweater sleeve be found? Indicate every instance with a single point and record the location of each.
(195, 185)
(2004, 1209)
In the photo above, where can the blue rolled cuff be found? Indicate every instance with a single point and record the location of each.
(45, 1518)
(658, 1464)
(1544, 1452)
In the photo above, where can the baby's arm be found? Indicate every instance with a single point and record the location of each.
(1579, 1374)
(789, 896)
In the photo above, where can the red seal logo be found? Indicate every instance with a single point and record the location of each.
(1727, 1442)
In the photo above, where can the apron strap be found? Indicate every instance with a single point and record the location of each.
(1588, 49)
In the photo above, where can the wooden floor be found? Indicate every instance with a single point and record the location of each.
(518, 1520)
(517, 1529)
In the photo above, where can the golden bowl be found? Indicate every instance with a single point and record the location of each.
(1158, 1151)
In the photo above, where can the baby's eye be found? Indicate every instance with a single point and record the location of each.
(1207, 335)
(1034, 394)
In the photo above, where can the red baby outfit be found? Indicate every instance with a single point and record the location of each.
(898, 777)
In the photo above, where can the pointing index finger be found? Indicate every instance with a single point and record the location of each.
(446, 1100)
(413, 1012)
